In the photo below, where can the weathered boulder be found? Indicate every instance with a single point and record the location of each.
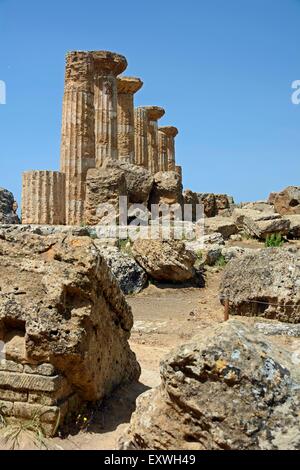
(223, 225)
(294, 221)
(128, 273)
(207, 249)
(271, 197)
(260, 224)
(60, 299)
(288, 201)
(232, 252)
(165, 260)
(209, 204)
(139, 180)
(215, 204)
(229, 388)
(103, 190)
(261, 206)
(264, 283)
(167, 189)
(8, 208)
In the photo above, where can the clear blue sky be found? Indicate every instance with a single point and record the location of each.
(222, 69)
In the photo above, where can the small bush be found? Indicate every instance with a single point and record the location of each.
(221, 262)
(274, 240)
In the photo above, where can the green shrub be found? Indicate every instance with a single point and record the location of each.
(274, 240)
(221, 262)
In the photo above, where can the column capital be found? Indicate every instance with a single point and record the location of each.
(154, 112)
(129, 85)
(170, 131)
(107, 62)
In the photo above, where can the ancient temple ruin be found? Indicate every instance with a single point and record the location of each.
(100, 125)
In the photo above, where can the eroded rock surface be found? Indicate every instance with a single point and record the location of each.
(264, 283)
(59, 299)
(229, 388)
(165, 260)
(8, 208)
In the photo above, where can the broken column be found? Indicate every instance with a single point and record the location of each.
(141, 137)
(170, 132)
(154, 113)
(78, 133)
(107, 66)
(43, 198)
(127, 87)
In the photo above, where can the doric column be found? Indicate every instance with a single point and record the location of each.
(107, 66)
(78, 135)
(171, 132)
(127, 87)
(141, 137)
(162, 151)
(43, 197)
(154, 113)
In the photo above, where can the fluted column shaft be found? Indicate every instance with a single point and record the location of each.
(141, 137)
(107, 66)
(154, 113)
(125, 127)
(127, 86)
(162, 152)
(43, 197)
(105, 118)
(78, 134)
(170, 132)
(153, 146)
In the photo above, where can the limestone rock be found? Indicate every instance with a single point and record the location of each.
(60, 304)
(229, 388)
(128, 273)
(264, 283)
(260, 224)
(167, 188)
(288, 201)
(166, 260)
(294, 221)
(8, 207)
(139, 181)
(209, 203)
(261, 206)
(103, 187)
(232, 252)
(271, 198)
(224, 225)
(215, 204)
(208, 249)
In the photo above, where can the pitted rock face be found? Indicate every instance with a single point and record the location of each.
(264, 283)
(8, 208)
(166, 260)
(229, 388)
(287, 201)
(60, 304)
